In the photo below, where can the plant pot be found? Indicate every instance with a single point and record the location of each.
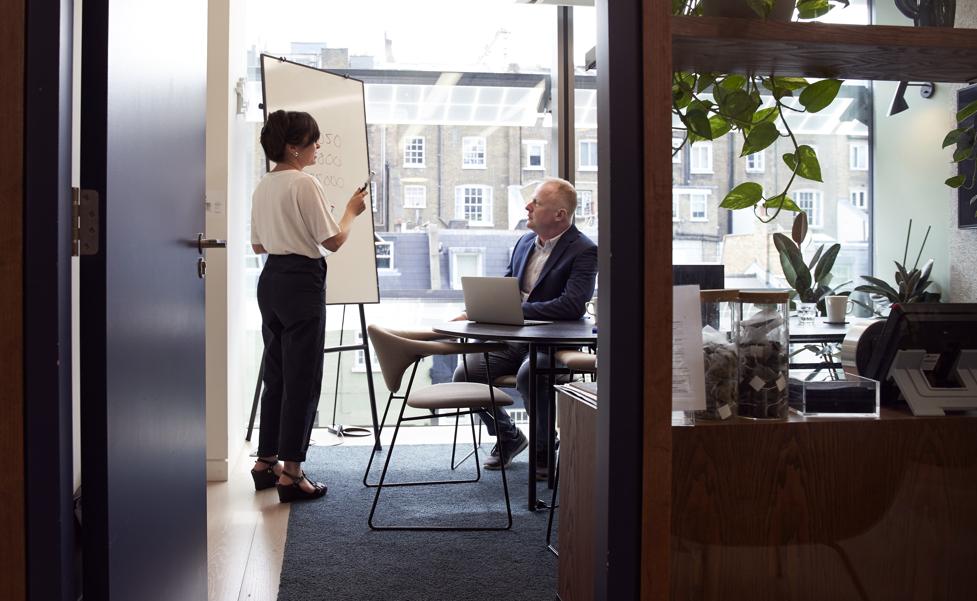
(783, 10)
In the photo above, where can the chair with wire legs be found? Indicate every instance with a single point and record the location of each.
(506, 381)
(582, 362)
(398, 351)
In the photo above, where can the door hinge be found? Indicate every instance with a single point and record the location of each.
(84, 222)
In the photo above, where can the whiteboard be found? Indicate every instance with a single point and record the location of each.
(336, 102)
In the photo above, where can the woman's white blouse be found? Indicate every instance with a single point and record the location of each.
(290, 215)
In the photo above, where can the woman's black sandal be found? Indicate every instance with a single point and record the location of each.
(294, 492)
(265, 478)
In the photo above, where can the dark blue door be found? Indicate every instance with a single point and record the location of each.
(142, 303)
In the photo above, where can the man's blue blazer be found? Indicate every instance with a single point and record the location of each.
(567, 280)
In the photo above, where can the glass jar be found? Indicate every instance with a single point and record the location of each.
(720, 319)
(762, 343)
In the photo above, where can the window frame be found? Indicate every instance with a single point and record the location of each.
(423, 203)
(577, 214)
(590, 142)
(676, 156)
(465, 164)
(528, 145)
(409, 152)
(359, 357)
(817, 208)
(760, 158)
(862, 193)
(390, 245)
(487, 204)
(699, 170)
(856, 149)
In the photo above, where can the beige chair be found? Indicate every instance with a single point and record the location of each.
(578, 361)
(399, 350)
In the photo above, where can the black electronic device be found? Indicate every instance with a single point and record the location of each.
(942, 331)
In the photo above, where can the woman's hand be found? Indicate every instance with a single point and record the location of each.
(357, 202)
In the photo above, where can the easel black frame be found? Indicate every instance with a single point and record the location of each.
(365, 347)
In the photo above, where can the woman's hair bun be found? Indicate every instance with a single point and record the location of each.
(287, 127)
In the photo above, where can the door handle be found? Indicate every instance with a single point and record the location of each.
(203, 243)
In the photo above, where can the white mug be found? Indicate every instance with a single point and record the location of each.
(592, 308)
(838, 307)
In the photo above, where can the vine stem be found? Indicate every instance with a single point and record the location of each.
(797, 159)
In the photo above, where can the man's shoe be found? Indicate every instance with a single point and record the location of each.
(509, 449)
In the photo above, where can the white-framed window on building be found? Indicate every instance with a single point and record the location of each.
(415, 196)
(859, 198)
(858, 156)
(534, 154)
(465, 261)
(385, 254)
(676, 156)
(373, 196)
(810, 201)
(359, 358)
(755, 162)
(473, 152)
(414, 151)
(585, 204)
(473, 203)
(696, 198)
(700, 157)
(587, 155)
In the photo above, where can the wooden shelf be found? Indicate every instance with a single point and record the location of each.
(823, 50)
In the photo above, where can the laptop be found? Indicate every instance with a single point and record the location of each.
(495, 301)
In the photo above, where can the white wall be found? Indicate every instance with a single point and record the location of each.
(226, 62)
(910, 168)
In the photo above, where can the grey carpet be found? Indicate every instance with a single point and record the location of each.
(331, 553)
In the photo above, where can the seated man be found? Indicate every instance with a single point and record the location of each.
(557, 268)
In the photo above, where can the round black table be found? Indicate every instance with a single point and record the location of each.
(559, 333)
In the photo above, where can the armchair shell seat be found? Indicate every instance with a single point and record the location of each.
(578, 360)
(467, 395)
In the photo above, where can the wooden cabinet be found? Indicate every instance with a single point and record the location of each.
(578, 462)
(884, 500)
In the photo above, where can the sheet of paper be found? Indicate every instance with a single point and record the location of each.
(688, 375)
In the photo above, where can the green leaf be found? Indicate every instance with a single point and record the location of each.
(760, 137)
(789, 274)
(809, 167)
(817, 255)
(822, 273)
(952, 137)
(739, 106)
(787, 248)
(799, 230)
(733, 82)
(967, 111)
(812, 9)
(768, 115)
(956, 181)
(705, 81)
(962, 154)
(743, 196)
(781, 201)
(699, 124)
(888, 291)
(719, 126)
(820, 94)
(761, 7)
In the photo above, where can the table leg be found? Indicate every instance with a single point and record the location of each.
(532, 427)
(551, 422)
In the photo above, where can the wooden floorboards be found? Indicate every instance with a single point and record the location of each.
(246, 530)
(245, 536)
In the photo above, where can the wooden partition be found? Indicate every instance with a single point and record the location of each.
(814, 521)
(12, 543)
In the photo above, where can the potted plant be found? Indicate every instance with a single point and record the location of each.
(710, 105)
(810, 281)
(910, 285)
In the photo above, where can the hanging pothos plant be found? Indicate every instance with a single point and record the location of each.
(963, 138)
(710, 105)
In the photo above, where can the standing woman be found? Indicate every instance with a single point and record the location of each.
(292, 222)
